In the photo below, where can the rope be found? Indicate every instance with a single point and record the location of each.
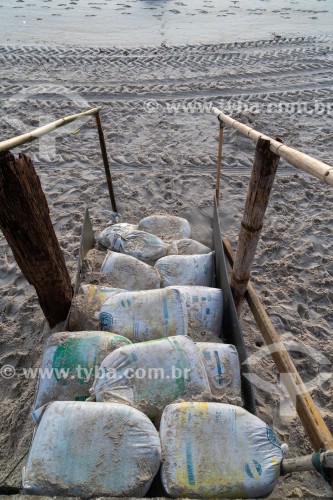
(316, 462)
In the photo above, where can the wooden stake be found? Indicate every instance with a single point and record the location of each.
(314, 424)
(106, 162)
(27, 227)
(300, 464)
(319, 169)
(261, 182)
(219, 163)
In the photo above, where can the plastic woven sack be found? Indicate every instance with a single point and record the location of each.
(223, 370)
(84, 313)
(69, 364)
(167, 227)
(139, 244)
(217, 450)
(124, 271)
(188, 247)
(193, 270)
(150, 375)
(204, 307)
(145, 315)
(92, 450)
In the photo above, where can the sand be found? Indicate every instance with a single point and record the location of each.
(162, 144)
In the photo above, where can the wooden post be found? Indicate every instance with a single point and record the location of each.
(106, 162)
(261, 182)
(314, 424)
(219, 163)
(27, 227)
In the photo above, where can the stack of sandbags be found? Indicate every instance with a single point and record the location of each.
(86, 305)
(124, 271)
(150, 375)
(215, 450)
(69, 364)
(145, 315)
(91, 450)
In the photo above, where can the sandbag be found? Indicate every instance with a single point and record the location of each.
(150, 375)
(217, 450)
(145, 315)
(187, 247)
(119, 228)
(167, 227)
(139, 244)
(204, 307)
(124, 271)
(194, 270)
(91, 450)
(69, 363)
(223, 370)
(84, 313)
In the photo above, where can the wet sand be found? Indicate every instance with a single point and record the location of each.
(132, 23)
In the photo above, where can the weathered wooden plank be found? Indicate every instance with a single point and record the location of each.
(27, 227)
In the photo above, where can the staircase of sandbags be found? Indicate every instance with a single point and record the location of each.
(142, 390)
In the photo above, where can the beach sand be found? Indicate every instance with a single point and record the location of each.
(162, 145)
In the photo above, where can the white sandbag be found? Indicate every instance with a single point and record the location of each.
(84, 313)
(217, 450)
(91, 450)
(120, 228)
(204, 307)
(69, 364)
(145, 315)
(191, 247)
(124, 271)
(167, 227)
(150, 375)
(222, 367)
(139, 244)
(194, 270)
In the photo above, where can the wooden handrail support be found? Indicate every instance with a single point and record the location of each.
(45, 129)
(50, 127)
(314, 424)
(261, 182)
(319, 169)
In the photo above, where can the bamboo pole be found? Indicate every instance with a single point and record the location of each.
(319, 169)
(314, 424)
(45, 129)
(263, 174)
(219, 163)
(300, 464)
(105, 161)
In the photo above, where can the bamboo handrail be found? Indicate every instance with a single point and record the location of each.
(45, 129)
(319, 169)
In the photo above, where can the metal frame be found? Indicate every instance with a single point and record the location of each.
(231, 330)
